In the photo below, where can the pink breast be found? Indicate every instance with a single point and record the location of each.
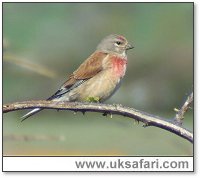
(119, 66)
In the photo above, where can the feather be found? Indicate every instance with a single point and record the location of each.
(32, 112)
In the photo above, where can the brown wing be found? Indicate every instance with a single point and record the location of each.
(89, 68)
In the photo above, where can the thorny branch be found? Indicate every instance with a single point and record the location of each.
(180, 113)
(147, 119)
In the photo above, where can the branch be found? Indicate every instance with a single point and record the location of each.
(147, 119)
(180, 113)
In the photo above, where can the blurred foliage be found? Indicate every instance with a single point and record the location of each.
(57, 37)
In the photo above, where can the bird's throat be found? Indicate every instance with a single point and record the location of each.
(119, 66)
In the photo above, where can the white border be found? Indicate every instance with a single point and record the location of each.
(118, 164)
(22, 163)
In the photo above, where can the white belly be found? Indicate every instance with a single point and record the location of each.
(102, 86)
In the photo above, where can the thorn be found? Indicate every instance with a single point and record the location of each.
(145, 125)
(105, 114)
(136, 122)
(83, 112)
(176, 110)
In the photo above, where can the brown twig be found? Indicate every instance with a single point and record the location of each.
(15, 137)
(147, 119)
(27, 64)
(180, 113)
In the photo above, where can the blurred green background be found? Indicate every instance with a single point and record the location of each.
(44, 42)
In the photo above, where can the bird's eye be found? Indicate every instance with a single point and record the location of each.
(118, 42)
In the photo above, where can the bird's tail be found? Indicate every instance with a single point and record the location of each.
(32, 112)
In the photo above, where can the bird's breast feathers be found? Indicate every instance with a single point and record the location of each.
(118, 64)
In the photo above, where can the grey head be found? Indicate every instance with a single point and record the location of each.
(114, 43)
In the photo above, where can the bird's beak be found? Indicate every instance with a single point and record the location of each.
(129, 46)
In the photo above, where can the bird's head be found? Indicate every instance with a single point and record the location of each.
(114, 43)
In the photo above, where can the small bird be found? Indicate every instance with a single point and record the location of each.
(98, 77)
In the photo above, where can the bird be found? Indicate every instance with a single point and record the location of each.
(98, 77)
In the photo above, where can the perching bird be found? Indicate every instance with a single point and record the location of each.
(98, 77)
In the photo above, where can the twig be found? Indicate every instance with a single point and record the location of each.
(14, 137)
(147, 119)
(180, 113)
(26, 63)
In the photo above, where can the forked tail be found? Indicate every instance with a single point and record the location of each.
(32, 112)
(57, 95)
